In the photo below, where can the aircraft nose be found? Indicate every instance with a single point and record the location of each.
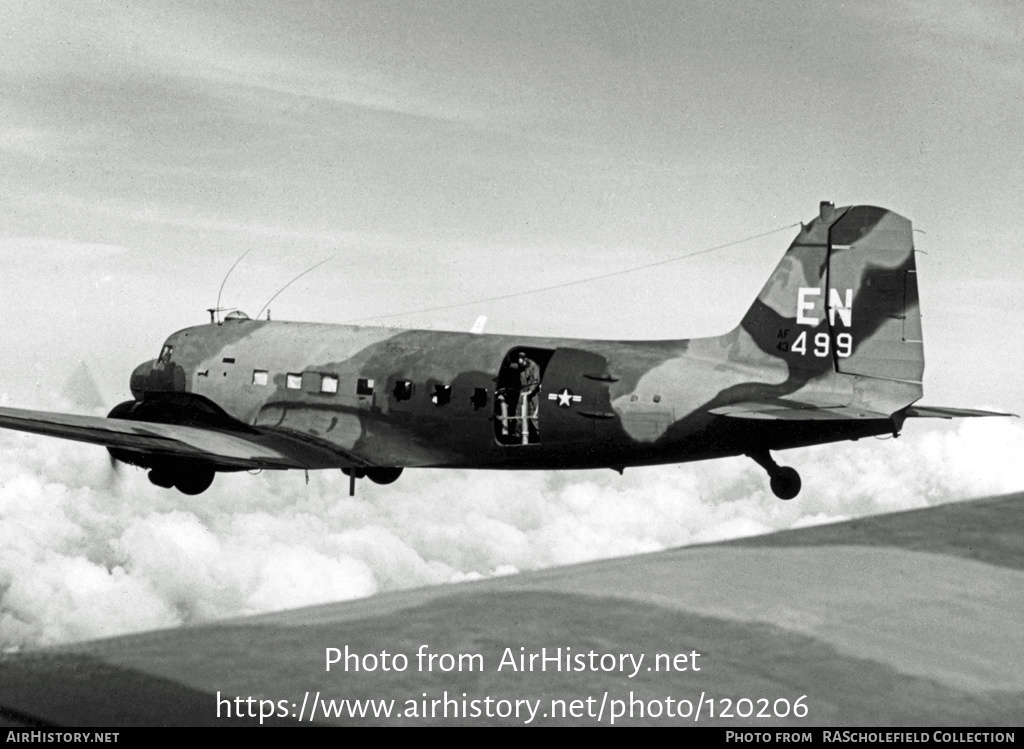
(140, 376)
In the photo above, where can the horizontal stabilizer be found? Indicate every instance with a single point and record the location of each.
(782, 410)
(939, 412)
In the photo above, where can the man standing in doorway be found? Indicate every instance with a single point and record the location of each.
(529, 386)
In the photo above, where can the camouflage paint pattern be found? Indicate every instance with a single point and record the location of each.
(830, 350)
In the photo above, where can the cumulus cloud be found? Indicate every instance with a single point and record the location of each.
(85, 553)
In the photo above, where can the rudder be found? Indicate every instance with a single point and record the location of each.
(871, 258)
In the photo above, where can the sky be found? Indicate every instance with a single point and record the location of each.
(446, 152)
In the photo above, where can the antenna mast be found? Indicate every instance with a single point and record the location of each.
(215, 311)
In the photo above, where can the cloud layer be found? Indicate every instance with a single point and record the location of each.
(85, 553)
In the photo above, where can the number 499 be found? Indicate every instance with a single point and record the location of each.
(822, 341)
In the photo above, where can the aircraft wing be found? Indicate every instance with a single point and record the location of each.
(783, 410)
(265, 448)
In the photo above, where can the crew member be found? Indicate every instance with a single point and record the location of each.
(529, 386)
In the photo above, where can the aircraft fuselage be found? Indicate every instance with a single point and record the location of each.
(402, 398)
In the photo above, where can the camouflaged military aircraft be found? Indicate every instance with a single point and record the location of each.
(831, 350)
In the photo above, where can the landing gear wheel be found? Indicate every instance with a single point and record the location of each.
(785, 483)
(195, 481)
(161, 478)
(383, 475)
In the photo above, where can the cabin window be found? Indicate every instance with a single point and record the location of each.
(364, 386)
(165, 354)
(442, 395)
(259, 377)
(479, 399)
(403, 390)
(294, 381)
(328, 383)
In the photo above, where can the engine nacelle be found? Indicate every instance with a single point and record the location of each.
(188, 476)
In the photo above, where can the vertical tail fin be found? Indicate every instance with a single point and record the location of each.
(842, 300)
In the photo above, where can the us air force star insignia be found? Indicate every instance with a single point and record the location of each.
(564, 397)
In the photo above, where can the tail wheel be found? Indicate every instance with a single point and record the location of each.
(785, 482)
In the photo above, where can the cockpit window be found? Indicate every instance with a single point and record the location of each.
(165, 354)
